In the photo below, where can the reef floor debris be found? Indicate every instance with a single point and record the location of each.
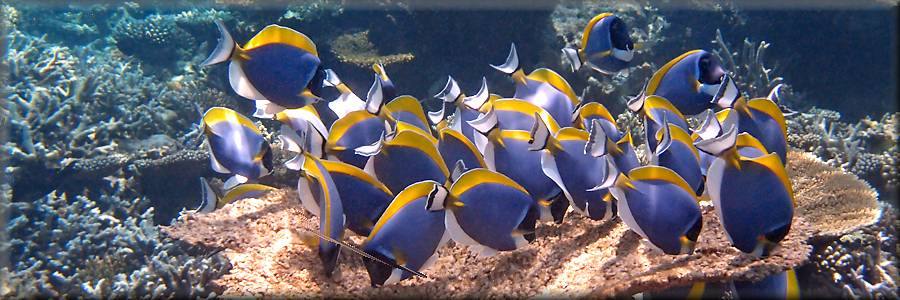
(578, 258)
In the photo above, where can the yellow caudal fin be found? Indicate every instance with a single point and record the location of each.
(282, 35)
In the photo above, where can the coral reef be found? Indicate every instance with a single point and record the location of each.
(355, 48)
(868, 148)
(160, 35)
(833, 201)
(747, 67)
(99, 248)
(862, 263)
(577, 257)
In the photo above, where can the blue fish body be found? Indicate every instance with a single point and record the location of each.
(454, 147)
(236, 146)
(548, 97)
(783, 285)
(364, 199)
(491, 208)
(657, 110)
(603, 33)
(517, 114)
(681, 81)
(358, 128)
(316, 183)
(682, 157)
(765, 122)
(406, 159)
(580, 172)
(657, 204)
(407, 234)
(281, 72)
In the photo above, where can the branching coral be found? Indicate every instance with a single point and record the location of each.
(355, 48)
(79, 247)
(748, 68)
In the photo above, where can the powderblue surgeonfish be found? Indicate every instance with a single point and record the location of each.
(676, 151)
(605, 45)
(542, 87)
(752, 194)
(783, 285)
(763, 119)
(516, 114)
(363, 197)
(388, 90)
(294, 121)
(506, 151)
(401, 158)
(565, 160)
(658, 205)
(278, 68)
(236, 146)
(585, 115)
(690, 81)
(621, 151)
(320, 196)
(484, 210)
(454, 147)
(210, 201)
(408, 234)
(653, 110)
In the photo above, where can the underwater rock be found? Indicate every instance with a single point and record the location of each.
(154, 39)
(578, 257)
(78, 247)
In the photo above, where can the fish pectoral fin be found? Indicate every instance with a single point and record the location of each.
(234, 181)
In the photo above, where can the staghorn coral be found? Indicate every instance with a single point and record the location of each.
(835, 202)
(578, 257)
(79, 247)
(748, 68)
(355, 48)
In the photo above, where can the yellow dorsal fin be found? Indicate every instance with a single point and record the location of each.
(526, 108)
(746, 140)
(772, 162)
(412, 139)
(403, 126)
(662, 174)
(351, 170)
(768, 107)
(279, 34)
(519, 135)
(242, 190)
(340, 127)
(571, 134)
(475, 177)
(409, 104)
(416, 191)
(557, 81)
(657, 102)
(596, 109)
(657, 77)
(587, 29)
(222, 114)
(678, 134)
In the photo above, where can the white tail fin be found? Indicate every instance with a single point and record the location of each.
(612, 173)
(234, 181)
(208, 198)
(458, 169)
(727, 93)
(437, 198)
(710, 127)
(450, 92)
(512, 62)
(436, 116)
(371, 150)
(636, 103)
(331, 78)
(572, 56)
(663, 143)
(596, 144)
(375, 97)
(485, 122)
(540, 134)
(224, 47)
(483, 95)
(718, 145)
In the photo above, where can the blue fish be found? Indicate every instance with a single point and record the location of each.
(752, 195)
(364, 198)
(676, 151)
(585, 115)
(401, 158)
(690, 81)
(762, 119)
(278, 68)
(454, 147)
(319, 195)
(783, 285)
(388, 90)
(407, 234)
(605, 45)
(236, 146)
(564, 159)
(542, 87)
(658, 205)
(484, 210)
(620, 151)
(210, 201)
(294, 122)
(653, 110)
(506, 151)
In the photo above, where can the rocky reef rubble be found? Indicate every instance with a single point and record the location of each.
(65, 246)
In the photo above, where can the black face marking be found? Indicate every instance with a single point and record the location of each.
(618, 34)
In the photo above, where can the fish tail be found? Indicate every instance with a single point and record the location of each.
(511, 65)
(225, 48)
(573, 55)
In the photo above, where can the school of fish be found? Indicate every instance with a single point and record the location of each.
(487, 173)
